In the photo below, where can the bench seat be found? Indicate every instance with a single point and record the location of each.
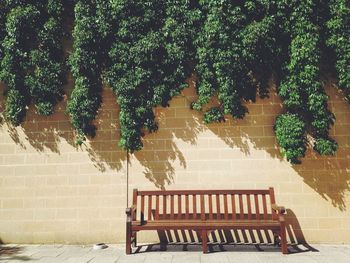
(208, 224)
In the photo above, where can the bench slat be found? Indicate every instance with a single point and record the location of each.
(226, 207)
(210, 207)
(241, 211)
(233, 200)
(172, 207)
(187, 207)
(142, 208)
(179, 208)
(257, 211)
(218, 210)
(264, 206)
(249, 207)
(157, 208)
(164, 205)
(149, 216)
(202, 207)
(194, 201)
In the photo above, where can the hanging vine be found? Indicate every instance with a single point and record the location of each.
(17, 45)
(302, 90)
(47, 79)
(339, 39)
(148, 58)
(3, 15)
(235, 42)
(86, 63)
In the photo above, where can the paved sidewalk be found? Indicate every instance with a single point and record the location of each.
(151, 254)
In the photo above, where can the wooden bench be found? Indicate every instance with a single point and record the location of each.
(204, 211)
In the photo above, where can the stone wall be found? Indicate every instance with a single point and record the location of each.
(54, 192)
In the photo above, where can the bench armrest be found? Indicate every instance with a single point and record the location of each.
(131, 213)
(279, 209)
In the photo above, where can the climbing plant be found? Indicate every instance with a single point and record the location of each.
(148, 58)
(32, 66)
(301, 89)
(21, 20)
(339, 39)
(145, 50)
(47, 78)
(3, 14)
(86, 64)
(236, 40)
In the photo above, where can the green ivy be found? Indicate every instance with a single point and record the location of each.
(3, 15)
(149, 57)
(86, 66)
(214, 115)
(46, 81)
(17, 45)
(236, 51)
(339, 39)
(302, 90)
(290, 133)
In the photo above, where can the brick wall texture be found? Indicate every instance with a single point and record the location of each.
(52, 191)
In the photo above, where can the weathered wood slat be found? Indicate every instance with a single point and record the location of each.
(172, 207)
(264, 206)
(194, 201)
(257, 211)
(241, 211)
(218, 210)
(210, 207)
(157, 208)
(179, 208)
(187, 207)
(142, 208)
(164, 205)
(149, 216)
(225, 207)
(249, 207)
(202, 207)
(233, 200)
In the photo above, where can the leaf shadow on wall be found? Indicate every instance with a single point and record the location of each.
(160, 151)
(329, 176)
(55, 136)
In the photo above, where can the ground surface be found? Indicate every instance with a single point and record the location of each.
(174, 254)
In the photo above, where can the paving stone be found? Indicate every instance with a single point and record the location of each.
(245, 257)
(215, 257)
(159, 258)
(136, 258)
(189, 257)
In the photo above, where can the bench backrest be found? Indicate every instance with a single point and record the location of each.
(204, 204)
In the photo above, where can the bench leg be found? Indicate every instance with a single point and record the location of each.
(284, 246)
(163, 239)
(128, 238)
(134, 242)
(204, 241)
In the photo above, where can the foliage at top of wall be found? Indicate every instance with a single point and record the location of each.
(339, 35)
(32, 63)
(86, 64)
(145, 50)
(149, 60)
